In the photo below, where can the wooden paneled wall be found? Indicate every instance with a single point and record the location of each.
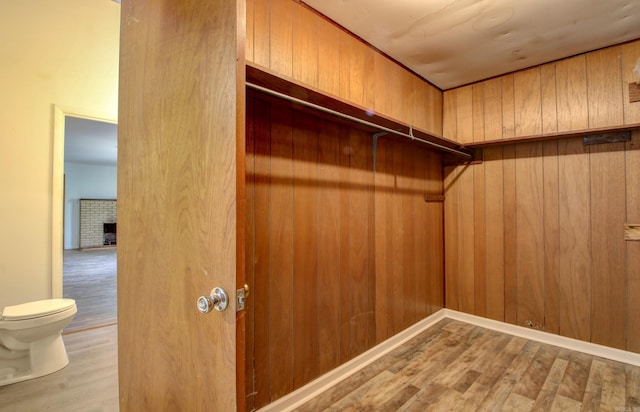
(338, 258)
(535, 234)
(295, 42)
(588, 91)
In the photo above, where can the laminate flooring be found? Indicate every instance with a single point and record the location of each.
(454, 366)
(88, 384)
(89, 277)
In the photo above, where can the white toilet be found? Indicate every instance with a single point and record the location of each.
(30, 339)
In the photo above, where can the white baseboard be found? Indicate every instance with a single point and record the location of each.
(324, 382)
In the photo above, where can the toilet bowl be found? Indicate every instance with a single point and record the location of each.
(30, 339)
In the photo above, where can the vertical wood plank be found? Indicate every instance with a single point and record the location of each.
(281, 235)
(328, 246)
(420, 251)
(371, 244)
(451, 236)
(510, 232)
(405, 95)
(381, 235)
(369, 79)
(478, 112)
(328, 58)
(391, 203)
(571, 88)
(358, 242)
(305, 244)
(434, 110)
(420, 104)
(551, 237)
(261, 259)
(406, 187)
(608, 248)
(305, 45)
(633, 248)
(494, 211)
(530, 234)
(528, 102)
(629, 56)
(357, 72)
(604, 88)
(548, 96)
(281, 45)
(344, 46)
(436, 234)
(262, 32)
(575, 243)
(493, 109)
(508, 106)
(380, 76)
(466, 275)
(464, 114)
(397, 244)
(450, 116)
(479, 244)
(345, 278)
(248, 46)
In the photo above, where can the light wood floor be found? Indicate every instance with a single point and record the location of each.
(455, 366)
(90, 278)
(88, 383)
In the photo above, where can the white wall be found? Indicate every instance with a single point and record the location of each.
(53, 53)
(84, 182)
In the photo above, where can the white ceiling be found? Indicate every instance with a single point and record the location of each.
(456, 42)
(90, 142)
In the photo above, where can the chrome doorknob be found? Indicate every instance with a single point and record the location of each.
(218, 300)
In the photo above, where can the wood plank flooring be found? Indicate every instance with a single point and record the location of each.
(460, 367)
(90, 278)
(88, 383)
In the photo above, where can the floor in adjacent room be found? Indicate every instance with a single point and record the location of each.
(89, 277)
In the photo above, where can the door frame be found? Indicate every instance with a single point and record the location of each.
(57, 187)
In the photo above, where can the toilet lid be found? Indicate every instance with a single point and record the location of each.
(36, 309)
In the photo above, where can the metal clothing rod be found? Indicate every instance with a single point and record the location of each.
(355, 119)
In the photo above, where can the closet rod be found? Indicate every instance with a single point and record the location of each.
(353, 119)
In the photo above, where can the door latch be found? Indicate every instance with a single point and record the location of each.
(241, 295)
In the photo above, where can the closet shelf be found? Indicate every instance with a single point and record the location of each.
(266, 82)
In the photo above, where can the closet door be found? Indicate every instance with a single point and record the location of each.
(180, 200)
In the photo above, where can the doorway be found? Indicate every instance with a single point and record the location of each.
(85, 148)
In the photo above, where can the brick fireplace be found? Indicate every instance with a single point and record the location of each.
(97, 223)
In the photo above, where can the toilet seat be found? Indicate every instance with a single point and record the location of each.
(37, 309)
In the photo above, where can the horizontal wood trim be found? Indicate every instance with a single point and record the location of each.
(554, 135)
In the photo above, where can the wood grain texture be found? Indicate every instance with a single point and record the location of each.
(450, 115)
(632, 160)
(548, 97)
(528, 102)
(305, 41)
(530, 233)
(478, 112)
(189, 184)
(328, 58)
(508, 106)
(261, 32)
(608, 247)
(250, 277)
(479, 241)
(493, 109)
(451, 286)
(629, 57)
(551, 237)
(510, 235)
(494, 214)
(449, 367)
(281, 37)
(464, 114)
(466, 277)
(604, 87)
(571, 88)
(325, 239)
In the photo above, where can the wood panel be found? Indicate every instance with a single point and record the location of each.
(333, 274)
(466, 263)
(604, 88)
(451, 188)
(528, 102)
(551, 237)
(530, 234)
(571, 88)
(178, 217)
(548, 97)
(305, 41)
(629, 57)
(608, 210)
(328, 58)
(493, 109)
(260, 26)
(508, 106)
(510, 233)
(633, 248)
(281, 37)
(479, 241)
(575, 240)
(494, 248)
(450, 115)
(478, 112)
(464, 114)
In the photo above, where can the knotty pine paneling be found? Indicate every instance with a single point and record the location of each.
(288, 38)
(588, 91)
(554, 251)
(341, 258)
